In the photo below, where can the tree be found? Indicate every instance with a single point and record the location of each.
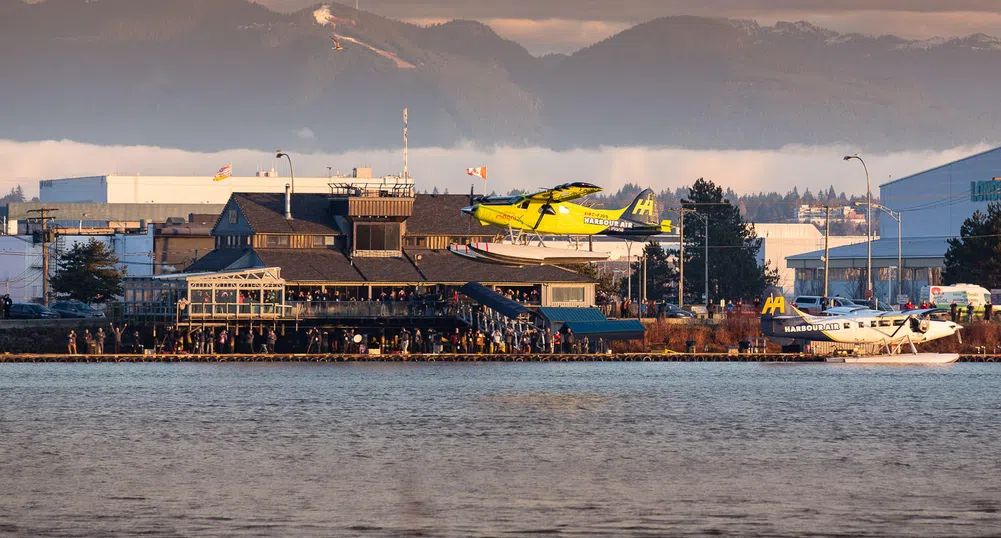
(16, 194)
(975, 257)
(734, 273)
(88, 273)
(592, 271)
(661, 277)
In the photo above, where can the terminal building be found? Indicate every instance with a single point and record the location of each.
(363, 256)
(933, 206)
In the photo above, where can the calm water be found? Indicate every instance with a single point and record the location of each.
(499, 449)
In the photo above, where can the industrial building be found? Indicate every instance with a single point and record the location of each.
(932, 207)
(780, 241)
(139, 189)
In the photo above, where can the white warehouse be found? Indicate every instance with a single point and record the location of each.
(139, 189)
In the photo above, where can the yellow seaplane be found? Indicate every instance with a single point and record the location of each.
(548, 212)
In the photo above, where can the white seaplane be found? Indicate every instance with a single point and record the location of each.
(784, 324)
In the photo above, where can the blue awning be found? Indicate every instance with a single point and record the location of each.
(619, 329)
(555, 314)
(493, 300)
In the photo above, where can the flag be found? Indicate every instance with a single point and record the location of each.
(480, 172)
(224, 172)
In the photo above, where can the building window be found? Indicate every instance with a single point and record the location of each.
(232, 216)
(568, 295)
(377, 236)
(276, 241)
(329, 240)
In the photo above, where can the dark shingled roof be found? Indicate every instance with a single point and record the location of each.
(446, 267)
(436, 266)
(265, 213)
(217, 260)
(310, 265)
(441, 214)
(388, 269)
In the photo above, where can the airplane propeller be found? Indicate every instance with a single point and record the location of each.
(546, 209)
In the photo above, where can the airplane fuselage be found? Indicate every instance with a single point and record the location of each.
(859, 328)
(563, 219)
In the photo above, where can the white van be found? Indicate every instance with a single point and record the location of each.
(962, 294)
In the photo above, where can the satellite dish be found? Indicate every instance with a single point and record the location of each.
(357, 338)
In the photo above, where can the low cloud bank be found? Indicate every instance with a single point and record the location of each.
(524, 168)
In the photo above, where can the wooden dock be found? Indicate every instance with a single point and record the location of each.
(441, 357)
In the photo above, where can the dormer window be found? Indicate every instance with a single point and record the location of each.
(377, 236)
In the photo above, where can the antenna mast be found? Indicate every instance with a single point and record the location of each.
(406, 147)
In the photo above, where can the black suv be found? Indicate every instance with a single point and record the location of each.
(31, 311)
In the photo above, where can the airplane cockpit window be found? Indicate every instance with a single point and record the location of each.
(501, 200)
(524, 205)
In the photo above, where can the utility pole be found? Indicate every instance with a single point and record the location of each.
(45, 251)
(827, 247)
(681, 254)
(645, 276)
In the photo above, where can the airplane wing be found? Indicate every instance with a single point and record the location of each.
(564, 192)
(922, 313)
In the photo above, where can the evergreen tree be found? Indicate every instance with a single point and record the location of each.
(661, 276)
(87, 273)
(975, 257)
(16, 194)
(733, 248)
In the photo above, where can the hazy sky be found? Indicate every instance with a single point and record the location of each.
(524, 168)
(565, 25)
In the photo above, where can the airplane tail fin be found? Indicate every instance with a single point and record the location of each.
(644, 210)
(773, 303)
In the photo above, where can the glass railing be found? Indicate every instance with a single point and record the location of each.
(244, 310)
(371, 309)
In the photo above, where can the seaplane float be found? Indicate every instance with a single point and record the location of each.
(895, 332)
(549, 212)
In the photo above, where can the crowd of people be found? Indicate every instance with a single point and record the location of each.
(509, 340)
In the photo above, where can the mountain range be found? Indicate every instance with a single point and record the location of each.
(209, 75)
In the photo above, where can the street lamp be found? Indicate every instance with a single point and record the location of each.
(868, 222)
(895, 215)
(290, 170)
(705, 219)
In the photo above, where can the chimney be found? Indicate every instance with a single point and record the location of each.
(288, 201)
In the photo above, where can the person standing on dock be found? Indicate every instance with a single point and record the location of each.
(99, 340)
(969, 312)
(954, 311)
(88, 341)
(404, 341)
(117, 332)
(137, 343)
(272, 340)
(988, 311)
(71, 344)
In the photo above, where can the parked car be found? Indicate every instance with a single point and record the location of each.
(75, 309)
(811, 304)
(882, 306)
(674, 311)
(31, 311)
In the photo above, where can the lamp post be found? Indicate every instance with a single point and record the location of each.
(290, 170)
(705, 220)
(868, 222)
(895, 215)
